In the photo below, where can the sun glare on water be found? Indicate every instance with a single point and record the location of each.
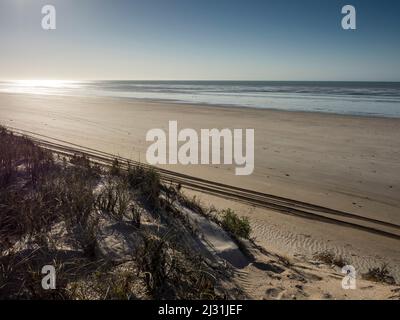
(40, 86)
(43, 83)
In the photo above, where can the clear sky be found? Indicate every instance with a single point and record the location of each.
(200, 40)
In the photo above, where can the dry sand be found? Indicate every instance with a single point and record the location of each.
(347, 163)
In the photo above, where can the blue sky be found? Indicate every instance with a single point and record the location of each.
(200, 40)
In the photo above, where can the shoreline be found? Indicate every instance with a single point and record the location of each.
(204, 105)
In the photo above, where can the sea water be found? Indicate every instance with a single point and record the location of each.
(353, 98)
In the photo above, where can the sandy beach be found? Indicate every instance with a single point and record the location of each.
(200, 151)
(347, 163)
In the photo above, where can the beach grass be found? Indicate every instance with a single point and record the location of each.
(53, 212)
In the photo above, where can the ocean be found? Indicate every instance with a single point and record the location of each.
(352, 98)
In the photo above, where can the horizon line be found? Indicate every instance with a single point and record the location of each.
(196, 80)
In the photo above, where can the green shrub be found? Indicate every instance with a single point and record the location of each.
(239, 227)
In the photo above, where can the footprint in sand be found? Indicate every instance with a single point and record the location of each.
(273, 293)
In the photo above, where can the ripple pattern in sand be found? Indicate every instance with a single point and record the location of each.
(274, 237)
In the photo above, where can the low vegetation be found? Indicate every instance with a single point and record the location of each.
(54, 211)
(379, 274)
(238, 226)
(147, 182)
(330, 258)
